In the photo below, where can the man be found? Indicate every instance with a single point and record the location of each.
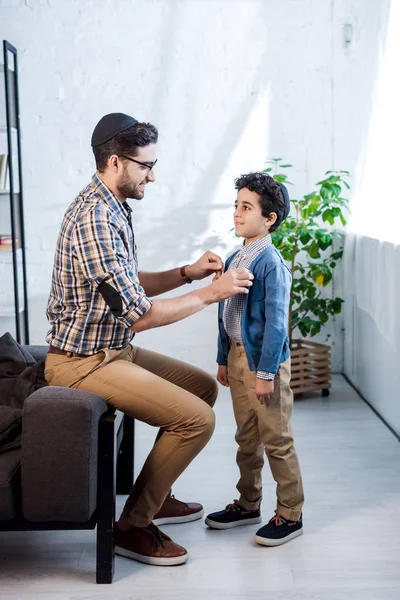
(99, 301)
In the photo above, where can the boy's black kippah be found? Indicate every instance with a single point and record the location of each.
(286, 198)
(110, 126)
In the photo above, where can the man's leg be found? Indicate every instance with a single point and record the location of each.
(186, 376)
(197, 382)
(188, 423)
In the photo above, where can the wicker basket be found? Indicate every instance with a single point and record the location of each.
(311, 367)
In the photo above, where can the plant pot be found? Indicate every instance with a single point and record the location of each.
(311, 367)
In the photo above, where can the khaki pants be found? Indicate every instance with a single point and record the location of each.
(158, 390)
(264, 427)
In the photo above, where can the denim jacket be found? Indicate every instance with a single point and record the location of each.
(265, 314)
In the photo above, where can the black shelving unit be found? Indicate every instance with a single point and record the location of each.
(13, 280)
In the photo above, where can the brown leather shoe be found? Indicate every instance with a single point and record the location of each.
(149, 545)
(175, 511)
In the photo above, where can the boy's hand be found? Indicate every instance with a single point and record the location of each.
(264, 389)
(222, 375)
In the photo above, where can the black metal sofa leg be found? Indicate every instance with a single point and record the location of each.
(106, 501)
(126, 453)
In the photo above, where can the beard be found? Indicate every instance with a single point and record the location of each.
(128, 189)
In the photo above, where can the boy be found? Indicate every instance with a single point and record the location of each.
(254, 361)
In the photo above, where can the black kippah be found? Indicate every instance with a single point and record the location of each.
(110, 126)
(286, 198)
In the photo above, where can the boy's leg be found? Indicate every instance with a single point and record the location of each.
(277, 437)
(250, 454)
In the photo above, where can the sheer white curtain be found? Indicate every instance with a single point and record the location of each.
(373, 244)
(376, 202)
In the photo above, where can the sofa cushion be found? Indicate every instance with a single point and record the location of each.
(10, 484)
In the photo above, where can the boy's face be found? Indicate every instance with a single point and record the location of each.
(248, 219)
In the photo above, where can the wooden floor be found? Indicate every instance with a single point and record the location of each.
(350, 549)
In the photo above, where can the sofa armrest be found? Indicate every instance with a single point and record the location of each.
(38, 352)
(59, 454)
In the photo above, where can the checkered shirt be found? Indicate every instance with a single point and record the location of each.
(95, 245)
(233, 307)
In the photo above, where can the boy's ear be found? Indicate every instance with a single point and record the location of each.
(271, 219)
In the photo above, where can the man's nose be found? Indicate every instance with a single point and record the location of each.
(150, 176)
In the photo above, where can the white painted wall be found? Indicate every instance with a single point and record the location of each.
(372, 341)
(228, 83)
(372, 275)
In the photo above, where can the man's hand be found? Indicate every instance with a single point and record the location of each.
(234, 281)
(222, 375)
(264, 389)
(207, 264)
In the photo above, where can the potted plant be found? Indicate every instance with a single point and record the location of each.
(307, 245)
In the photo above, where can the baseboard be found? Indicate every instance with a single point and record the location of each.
(351, 384)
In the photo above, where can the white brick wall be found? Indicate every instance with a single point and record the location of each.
(228, 83)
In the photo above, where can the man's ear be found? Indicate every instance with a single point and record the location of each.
(113, 163)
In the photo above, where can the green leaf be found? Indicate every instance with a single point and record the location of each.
(285, 166)
(327, 216)
(267, 170)
(315, 329)
(305, 237)
(313, 250)
(324, 239)
(337, 306)
(343, 220)
(326, 193)
(280, 177)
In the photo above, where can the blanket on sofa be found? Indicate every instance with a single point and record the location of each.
(20, 376)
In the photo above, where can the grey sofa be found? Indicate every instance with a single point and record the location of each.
(75, 455)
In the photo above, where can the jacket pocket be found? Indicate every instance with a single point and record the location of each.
(257, 291)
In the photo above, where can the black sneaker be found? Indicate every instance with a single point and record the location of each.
(233, 516)
(278, 531)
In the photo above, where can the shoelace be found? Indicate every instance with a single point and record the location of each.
(278, 519)
(235, 506)
(157, 535)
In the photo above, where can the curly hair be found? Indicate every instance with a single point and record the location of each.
(270, 194)
(126, 142)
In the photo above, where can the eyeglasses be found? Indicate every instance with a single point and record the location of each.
(149, 166)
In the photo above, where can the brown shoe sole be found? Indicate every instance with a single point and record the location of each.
(152, 560)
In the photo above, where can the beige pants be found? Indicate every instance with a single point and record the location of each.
(264, 427)
(158, 390)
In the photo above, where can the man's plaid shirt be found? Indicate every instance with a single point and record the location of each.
(233, 307)
(95, 246)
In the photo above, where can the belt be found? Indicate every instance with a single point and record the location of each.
(54, 350)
